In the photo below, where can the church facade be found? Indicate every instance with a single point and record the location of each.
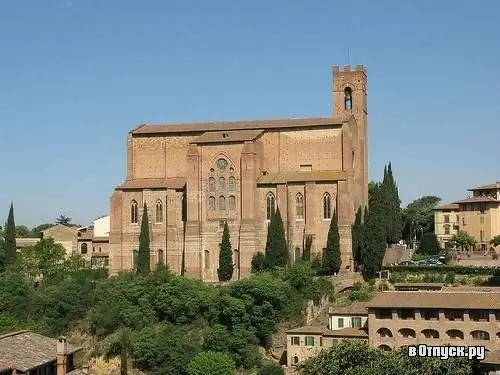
(195, 177)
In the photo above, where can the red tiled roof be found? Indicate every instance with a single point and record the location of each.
(153, 183)
(495, 185)
(477, 199)
(445, 207)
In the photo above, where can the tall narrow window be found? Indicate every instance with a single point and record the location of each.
(327, 206)
(183, 207)
(133, 212)
(232, 203)
(161, 260)
(211, 203)
(207, 259)
(222, 203)
(84, 248)
(271, 205)
(232, 183)
(134, 259)
(211, 184)
(222, 183)
(299, 206)
(159, 212)
(348, 99)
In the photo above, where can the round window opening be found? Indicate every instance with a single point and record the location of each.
(222, 164)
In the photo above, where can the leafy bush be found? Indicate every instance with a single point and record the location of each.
(450, 278)
(211, 363)
(458, 270)
(271, 369)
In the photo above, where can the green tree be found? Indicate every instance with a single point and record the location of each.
(418, 217)
(226, 265)
(271, 369)
(306, 251)
(211, 363)
(392, 207)
(276, 246)
(332, 257)
(64, 220)
(45, 258)
(22, 231)
(357, 236)
(463, 240)
(429, 244)
(374, 242)
(143, 256)
(495, 241)
(10, 248)
(258, 262)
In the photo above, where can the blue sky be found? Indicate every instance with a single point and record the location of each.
(77, 75)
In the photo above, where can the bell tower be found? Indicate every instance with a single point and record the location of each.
(350, 96)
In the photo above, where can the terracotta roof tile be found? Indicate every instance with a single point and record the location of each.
(481, 199)
(316, 176)
(308, 329)
(347, 332)
(447, 207)
(240, 125)
(153, 183)
(437, 300)
(493, 186)
(25, 350)
(228, 136)
(357, 308)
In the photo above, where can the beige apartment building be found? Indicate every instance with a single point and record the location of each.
(394, 319)
(446, 223)
(397, 319)
(193, 178)
(478, 215)
(345, 323)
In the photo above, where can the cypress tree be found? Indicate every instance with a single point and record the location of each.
(9, 247)
(123, 353)
(276, 245)
(356, 235)
(226, 265)
(396, 224)
(332, 256)
(143, 257)
(374, 235)
(306, 252)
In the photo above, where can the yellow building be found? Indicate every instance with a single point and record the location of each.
(479, 214)
(446, 223)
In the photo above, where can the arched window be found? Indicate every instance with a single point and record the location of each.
(161, 260)
(159, 212)
(236, 259)
(232, 203)
(480, 335)
(348, 99)
(222, 183)
(295, 360)
(299, 206)
(271, 205)
(211, 184)
(298, 254)
(207, 259)
(384, 332)
(232, 183)
(222, 203)
(133, 212)
(327, 206)
(455, 334)
(385, 348)
(407, 332)
(211, 203)
(430, 334)
(84, 248)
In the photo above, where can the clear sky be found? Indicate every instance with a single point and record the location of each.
(77, 75)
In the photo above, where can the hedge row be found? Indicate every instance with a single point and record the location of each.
(458, 270)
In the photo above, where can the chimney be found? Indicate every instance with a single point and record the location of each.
(61, 350)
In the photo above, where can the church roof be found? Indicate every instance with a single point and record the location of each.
(153, 183)
(240, 125)
(228, 136)
(312, 176)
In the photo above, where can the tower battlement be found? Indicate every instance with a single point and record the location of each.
(347, 68)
